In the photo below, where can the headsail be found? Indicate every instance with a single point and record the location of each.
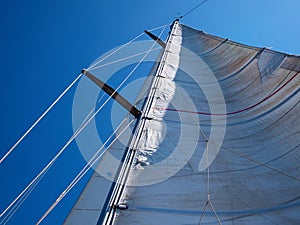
(219, 138)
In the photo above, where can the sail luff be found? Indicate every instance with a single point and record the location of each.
(127, 164)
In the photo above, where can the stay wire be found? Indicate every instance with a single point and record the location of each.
(86, 168)
(123, 59)
(39, 119)
(75, 134)
(22, 198)
(63, 93)
(187, 13)
(115, 51)
(14, 209)
(122, 46)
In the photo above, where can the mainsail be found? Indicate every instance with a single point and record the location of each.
(217, 141)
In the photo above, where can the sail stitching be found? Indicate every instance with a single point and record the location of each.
(238, 111)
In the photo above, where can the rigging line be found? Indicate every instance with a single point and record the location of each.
(115, 51)
(36, 181)
(134, 69)
(82, 173)
(131, 72)
(123, 59)
(202, 214)
(152, 89)
(208, 202)
(22, 199)
(92, 110)
(197, 6)
(157, 28)
(73, 137)
(53, 160)
(93, 160)
(135, 142)
(40, 118)
(122, 175)
(262, 164)
(86, 168)
(98, 101)
(213, 209)
(123, 46)
(208, 175)
(19, 203)
(47, 167)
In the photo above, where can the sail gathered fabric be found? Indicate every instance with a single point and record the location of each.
(217, 143)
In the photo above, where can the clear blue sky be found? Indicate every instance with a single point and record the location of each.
(45, 44)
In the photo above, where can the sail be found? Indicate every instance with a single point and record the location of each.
(218, 140)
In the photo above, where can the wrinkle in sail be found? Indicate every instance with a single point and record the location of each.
(254, 178)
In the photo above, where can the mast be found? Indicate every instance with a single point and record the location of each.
(113, 201)
(103, 206)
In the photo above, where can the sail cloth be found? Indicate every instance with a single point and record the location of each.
(220, 126)
(254, 177)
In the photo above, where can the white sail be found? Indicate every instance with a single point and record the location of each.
(218, 141)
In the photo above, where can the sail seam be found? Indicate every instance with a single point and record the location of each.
(234, 112)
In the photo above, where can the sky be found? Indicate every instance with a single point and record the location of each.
(45, 44)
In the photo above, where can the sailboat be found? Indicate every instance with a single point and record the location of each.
(214, 139)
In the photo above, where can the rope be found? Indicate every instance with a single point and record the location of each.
(115, 51)
(187, 13)
(123, 59)
(208, 202)
(49, 165)
(19, 203)
(122, 46)
(39, 119)
(123, 174)
(67, 89)
(86, 168)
